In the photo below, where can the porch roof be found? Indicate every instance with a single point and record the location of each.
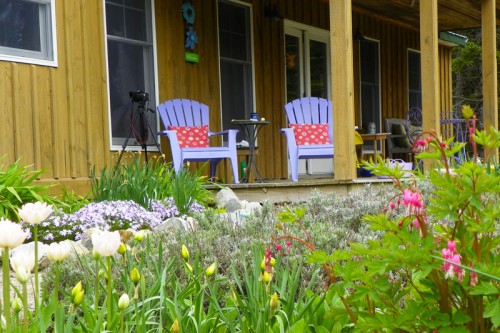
(452, 14)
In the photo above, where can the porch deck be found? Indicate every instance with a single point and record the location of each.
(283, 190)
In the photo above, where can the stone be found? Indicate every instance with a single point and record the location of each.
(87, 238)
(233, 205)
(224, 195)
(176, 223)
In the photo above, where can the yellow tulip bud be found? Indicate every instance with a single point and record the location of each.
(211, 269)
(467, 111)
(78, 299)
(188, 266)
(139, 235)
(16, 305)
(266, 277)
(184, 252)
(135, 276)
(122, 249)
(76, 289)
(263, 264)
(123, 302)
(175, 326)
(272, 262)
(274, 302)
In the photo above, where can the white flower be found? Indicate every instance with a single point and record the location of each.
(106, 243)
(123, 302)
(34, 213)
(22, 263)
(58, 251)
(11, 234)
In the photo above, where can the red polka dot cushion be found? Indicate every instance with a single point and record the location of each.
(311, 134)
(191, 136)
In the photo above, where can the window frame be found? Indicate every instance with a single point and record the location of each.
(153, 70)
(48, 40)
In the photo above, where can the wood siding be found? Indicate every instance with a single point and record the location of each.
(57, 118)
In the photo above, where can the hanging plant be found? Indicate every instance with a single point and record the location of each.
(188, 12)
(191, 39)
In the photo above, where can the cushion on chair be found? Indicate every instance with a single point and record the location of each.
(311, 134)
(191, 136)
(403, 141)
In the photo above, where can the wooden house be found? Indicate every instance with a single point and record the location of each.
(68, 67)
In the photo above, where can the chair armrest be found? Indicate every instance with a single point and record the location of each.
(172, 137)
(231, 137)
(290, 137)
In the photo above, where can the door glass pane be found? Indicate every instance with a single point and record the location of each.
(293, 62)
(370, 85)
(318, 68)
(235, 63)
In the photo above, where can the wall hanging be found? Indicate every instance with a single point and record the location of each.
(191, 37)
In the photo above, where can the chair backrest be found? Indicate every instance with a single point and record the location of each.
(183, 112)
(398, 141)
(310, 110)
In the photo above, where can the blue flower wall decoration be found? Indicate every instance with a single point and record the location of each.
(188, 12)
(191, 39)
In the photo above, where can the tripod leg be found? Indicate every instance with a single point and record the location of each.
(127, 139)
(153, 135)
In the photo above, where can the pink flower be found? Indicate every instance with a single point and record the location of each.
(452, 267)
(278, 247)
(288, 243)
(473, 277)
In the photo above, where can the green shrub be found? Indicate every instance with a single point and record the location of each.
(17, 188)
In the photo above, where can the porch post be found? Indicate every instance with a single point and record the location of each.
(430, 65)
(344, 162)
(490, 98)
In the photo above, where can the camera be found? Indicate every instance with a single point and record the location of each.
(139, 96)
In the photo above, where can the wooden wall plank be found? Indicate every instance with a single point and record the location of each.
(7, 128)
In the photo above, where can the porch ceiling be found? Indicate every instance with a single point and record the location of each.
(452, 14)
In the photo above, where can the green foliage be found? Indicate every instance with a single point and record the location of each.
(435, 265)
(17, 188)
(187, 188)
(142, 182)
(135, 181)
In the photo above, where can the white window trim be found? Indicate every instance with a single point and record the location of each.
(155, 69)
(35, 61)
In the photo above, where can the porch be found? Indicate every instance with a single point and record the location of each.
(283, 190)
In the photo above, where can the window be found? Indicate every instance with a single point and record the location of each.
(414, 80)
(236, 63)
(130, 52)
(27, 31)
(370, 83)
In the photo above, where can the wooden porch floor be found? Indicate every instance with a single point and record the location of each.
(283, 190)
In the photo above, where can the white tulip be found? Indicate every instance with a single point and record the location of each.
(34, 213)
(11, 234)
(22, 259)
(123, 302)
(106, 243)
(58, 251)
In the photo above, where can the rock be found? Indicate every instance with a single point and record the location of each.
(77, 248)
(176, 223)
(87, 238)
(224, 195)
(251, 207)
(233, 205)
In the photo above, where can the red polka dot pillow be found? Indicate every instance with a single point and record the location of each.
(191, 136)
(311, 134)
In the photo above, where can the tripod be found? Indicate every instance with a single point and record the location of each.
(140, 114)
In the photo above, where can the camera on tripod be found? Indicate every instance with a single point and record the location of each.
(139, 96)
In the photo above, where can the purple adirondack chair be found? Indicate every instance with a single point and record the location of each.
(186, 112)
(307, 110)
